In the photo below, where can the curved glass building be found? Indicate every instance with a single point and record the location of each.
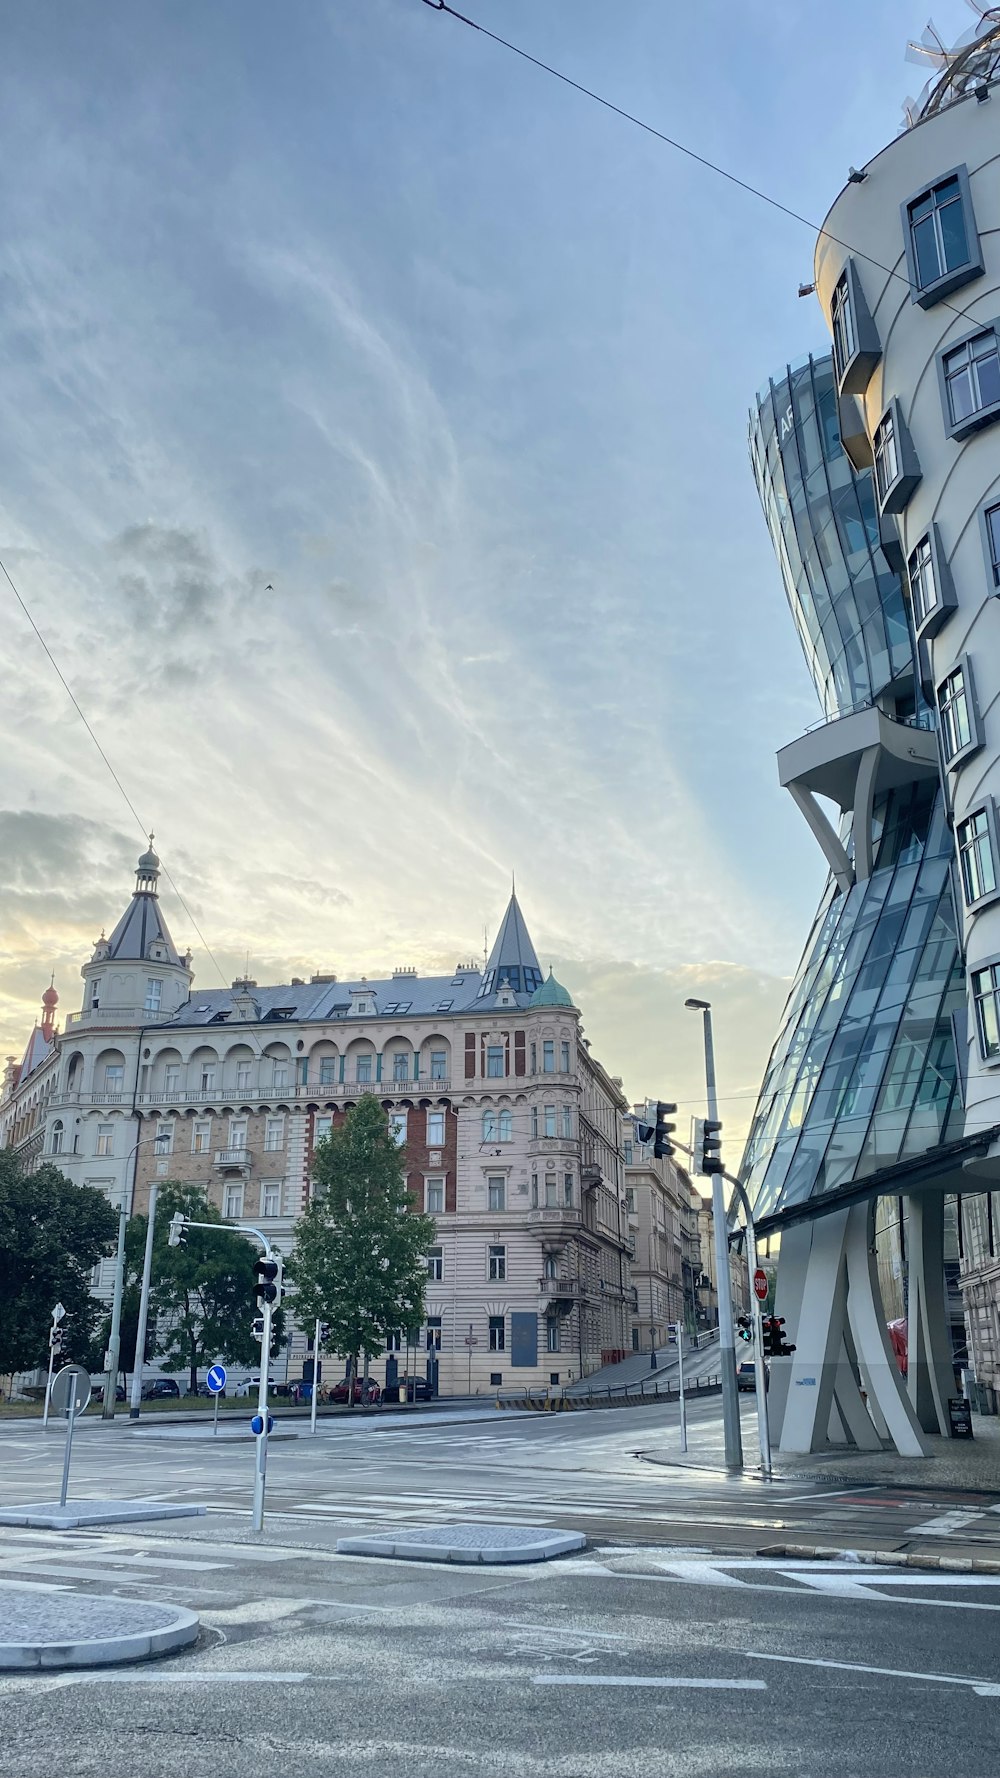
(863, 1072)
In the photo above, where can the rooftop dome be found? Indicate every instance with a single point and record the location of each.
(551, 993)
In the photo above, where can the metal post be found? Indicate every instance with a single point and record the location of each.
(649, 1257)
(760, 1369)
(680, 1383)
(720, 1239)
(48, 1385)
(315, 1383)
(260, 1471)
(215, 1416)
(69, 1445)
(140, 1337)
(114, 1338)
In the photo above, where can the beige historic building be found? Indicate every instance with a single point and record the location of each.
(513, 1130)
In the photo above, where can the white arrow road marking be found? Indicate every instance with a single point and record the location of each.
(725, 1685)
(986, 1688)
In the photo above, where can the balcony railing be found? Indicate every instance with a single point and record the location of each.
(559, 1220)
(327, 1090)
(563, 1287)
(116, 1015)
(232, 1157)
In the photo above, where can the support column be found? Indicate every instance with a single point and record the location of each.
(871, 1339)
(811, 1295)
(930, 1376)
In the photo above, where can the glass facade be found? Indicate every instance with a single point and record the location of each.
(847, 605)
(863, 1072)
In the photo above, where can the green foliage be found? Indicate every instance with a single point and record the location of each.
(360, 1256)
(202, 1292)
(52, 1234)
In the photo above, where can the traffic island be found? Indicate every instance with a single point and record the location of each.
(49, 1515)
(493, 1544)
(44, 1632)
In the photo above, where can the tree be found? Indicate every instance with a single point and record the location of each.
(360, 1257)
(52, 1234)
(201, 1292)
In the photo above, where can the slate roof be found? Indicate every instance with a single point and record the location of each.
(140, 925)
(293, 1003)
(39, 1048)
(512, 958)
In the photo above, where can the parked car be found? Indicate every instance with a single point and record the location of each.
(416, 1389)
(250, 1386)
(161, 1389)
(203, 1389)
(746, 1376)
(97, 1393)
(364, 1394)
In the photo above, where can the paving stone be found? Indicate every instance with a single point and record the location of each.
(50, 1516)
(87, 1630)
(466, 1543)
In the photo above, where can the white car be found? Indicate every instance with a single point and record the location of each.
(250, 1386)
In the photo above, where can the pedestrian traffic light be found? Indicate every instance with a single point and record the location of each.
(662, 1145)
(697, 1145)
(257, 1328)
(776, 1345)
(711, 1143)
(324, 1332)
(177, 1233)
(267, 1273)
(744, 1328)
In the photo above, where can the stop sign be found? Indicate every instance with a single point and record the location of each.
(760, 1284)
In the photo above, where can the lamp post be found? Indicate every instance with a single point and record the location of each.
(720, 1242)
(114, 1338)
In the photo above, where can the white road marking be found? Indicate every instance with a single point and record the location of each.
(725, 1685)
(944, 1524)
(986, 1688)
(30, 1586)
(139, 1559)
(581, 1635)
(129, 1677)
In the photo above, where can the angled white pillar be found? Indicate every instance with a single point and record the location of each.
(814, 1308)
(871, 1339)
(930, 1376)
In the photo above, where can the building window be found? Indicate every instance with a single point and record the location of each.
(208, 1077)
(630, 1200)
(302, 1071)
(172, 1077)
(274, 1133)
(439, 1065)
(201, 1135)
(57, 1137)
(234, 1201)
(548, 1056)
(270, 1199)
(154, 991)
(629, 1153)
(433, 1333)
(533, 1051)
(550, 1120)
(505, 1127)
(435, 1197)
(567, 1122)
(958, 727)
(496, 1193)
(400, 1065)
(280, 1076)
(856, 345)
(931, 589)
(845, 334)
(971, 377)
(564, 1056)
(105, 1139)
(494, 1061)
(363, 1068)
(95, 994)
(986, 998)
(327, 1070)
(568, 1190)
(498, 1334)
(497, 1264)
(435, 1129)
(435, 1264)
(991, 538)
(886, 457)
(976, 843)
(238, 1132)
(164, 1137)
(322, 1127)
(114, 1079)
(942, 246)
(397, 1128)
(534, 1120)
(243, 1077)
(534, 1191)
(551, 1201)
(394, 1342)
(552, 1334)
(896, 469)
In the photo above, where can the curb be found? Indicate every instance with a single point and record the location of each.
(884, 1558)
(491, 1544)
(103, 1651)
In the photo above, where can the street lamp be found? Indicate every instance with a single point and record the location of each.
(114, 1338)
(720, 1242)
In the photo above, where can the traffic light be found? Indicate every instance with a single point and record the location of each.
(267, 1272)
(711, 1143)
(177, 1234)
(324, 1332)
(744, 1329)
(775, 1344)
(697, 1145)
(257, 1328)
(662, 1145)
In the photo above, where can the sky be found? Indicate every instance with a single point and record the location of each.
(373, 419)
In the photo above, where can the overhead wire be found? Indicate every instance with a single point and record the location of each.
(701, 160)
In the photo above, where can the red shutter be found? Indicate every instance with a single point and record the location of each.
(519, 1052)
(470, 1055)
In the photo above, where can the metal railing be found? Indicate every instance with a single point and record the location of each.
(608, 1395)
(233, 1157)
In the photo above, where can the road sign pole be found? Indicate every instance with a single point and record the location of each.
(759, 1367)
(215, 1416)
(315, 1389)
(260, 1472)
(680, 1383)
(69, 1448)
(48, 1385)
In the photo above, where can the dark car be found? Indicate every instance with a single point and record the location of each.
(414, 1389)
(746, 1376)
(205, 1390)
(362, 1393)
(160, 1389)
(98, 1392)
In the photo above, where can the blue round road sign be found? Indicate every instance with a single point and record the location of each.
(257, 1424)
(216, 1379)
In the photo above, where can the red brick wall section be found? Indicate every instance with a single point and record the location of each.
(470, 1055)
(519, 1067)
(417, 1154)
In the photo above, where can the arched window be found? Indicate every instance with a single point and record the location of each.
(57, 1136)
(505, 1126)
(549, 1267)
(489, 1126)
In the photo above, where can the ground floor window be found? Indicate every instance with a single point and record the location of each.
(498, 1333)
